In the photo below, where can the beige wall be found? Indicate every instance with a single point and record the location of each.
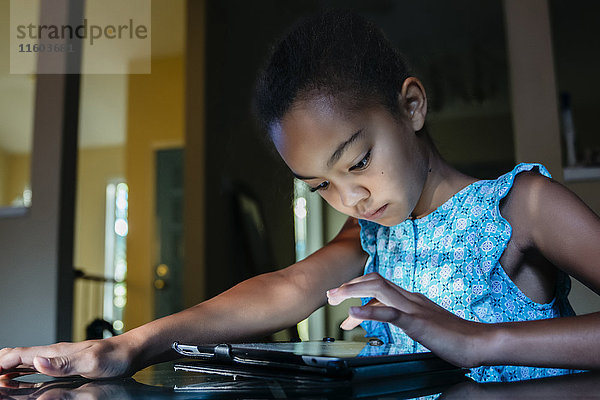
(155, 121)
(18, 175)
(14, 176)
(96, 168)
(3, 176)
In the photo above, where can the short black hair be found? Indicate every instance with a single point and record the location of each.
(336, 54)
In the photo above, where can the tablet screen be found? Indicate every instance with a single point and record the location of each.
(327, 349)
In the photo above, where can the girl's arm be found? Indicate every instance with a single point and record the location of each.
(254, 308)
(565, 231)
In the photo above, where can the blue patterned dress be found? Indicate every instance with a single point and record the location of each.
(452, 256)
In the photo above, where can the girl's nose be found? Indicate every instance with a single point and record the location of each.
(351, 195)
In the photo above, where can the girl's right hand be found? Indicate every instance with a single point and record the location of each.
(459, 341)
(92, 359)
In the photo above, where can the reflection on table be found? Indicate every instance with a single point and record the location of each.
(162, 382)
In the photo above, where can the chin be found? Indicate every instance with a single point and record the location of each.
(390, 221)
(394, 218)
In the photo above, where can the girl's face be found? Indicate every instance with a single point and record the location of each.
(367, 164)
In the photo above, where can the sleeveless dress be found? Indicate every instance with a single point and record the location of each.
(452, 256)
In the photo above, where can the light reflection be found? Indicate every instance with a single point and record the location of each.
(118, 325)
(121, 227)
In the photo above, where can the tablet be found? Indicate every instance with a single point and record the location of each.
(338, 359)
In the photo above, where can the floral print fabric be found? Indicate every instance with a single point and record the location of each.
(452, 256)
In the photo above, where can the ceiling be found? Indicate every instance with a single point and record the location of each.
(103, 103)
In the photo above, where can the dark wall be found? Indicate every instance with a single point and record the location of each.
(575, 35)
(238, 36)
(457, 49)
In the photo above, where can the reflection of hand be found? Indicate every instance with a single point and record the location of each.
(89, 391)
(10, 389)
(72, 390)
(447, 335)
(15, 373)
(91, 359)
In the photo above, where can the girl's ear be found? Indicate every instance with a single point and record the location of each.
(414, 102)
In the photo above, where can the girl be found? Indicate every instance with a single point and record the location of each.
(473, 270)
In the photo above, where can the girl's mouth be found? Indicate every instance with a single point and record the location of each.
(373, 215)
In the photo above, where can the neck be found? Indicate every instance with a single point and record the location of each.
(443, 181)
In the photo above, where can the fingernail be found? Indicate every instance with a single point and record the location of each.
(331, 291)
(44, 362)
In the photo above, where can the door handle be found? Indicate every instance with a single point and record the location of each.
(161, 272)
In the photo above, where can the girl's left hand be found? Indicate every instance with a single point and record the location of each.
(452, 338)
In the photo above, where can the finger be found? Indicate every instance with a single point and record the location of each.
(363, 278)
(84, 362)
(23, 356)
(10, 360)
(352, 322)
(380, 289)
(379, 313)
(368, 277)
(55, 366)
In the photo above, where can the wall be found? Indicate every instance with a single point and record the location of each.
(194, 284)
(155, 120)
(14, 176)
(3, 176)
(479, 145)
(18, 175)
(96, 168)
(238, 36)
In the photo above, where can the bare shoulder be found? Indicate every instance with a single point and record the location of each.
(535, 196)
(521, 204)
(549, 217)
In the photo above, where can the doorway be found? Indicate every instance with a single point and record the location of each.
(168, 281)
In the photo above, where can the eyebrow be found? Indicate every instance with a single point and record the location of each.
(304, 178)
(342, 148)
(337, 154)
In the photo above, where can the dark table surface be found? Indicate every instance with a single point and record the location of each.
(162, 382)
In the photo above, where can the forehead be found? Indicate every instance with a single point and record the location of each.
(310, 132)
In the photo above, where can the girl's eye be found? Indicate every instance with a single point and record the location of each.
(362, 163)
(320, 187)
